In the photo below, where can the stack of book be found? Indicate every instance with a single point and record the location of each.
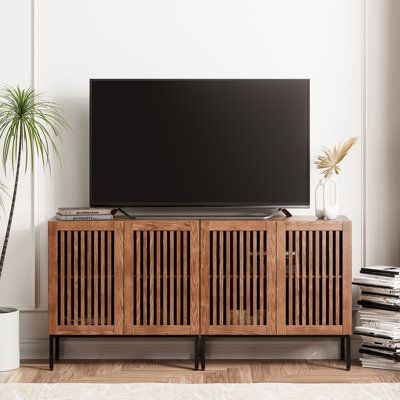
(85, 214)
(379, 316)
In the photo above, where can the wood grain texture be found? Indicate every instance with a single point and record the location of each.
(323, 296)
(281, 274)
(285, 276)
(320, 254)
(297, 278)
(165, 277)
(303, 277)
(263, 291)
(232, 271)
(330, 278)
(194, 326)
(347, 278)
(178, 371)
(271, 266)
(83, 277)
(81, 300)
(119, 240)
(69, 279)
(52, 277)
(310, 277)
(290, 273)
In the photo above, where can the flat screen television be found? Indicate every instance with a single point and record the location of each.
(199, 142)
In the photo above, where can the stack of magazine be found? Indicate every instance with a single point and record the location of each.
(379, 316)
(85, 214)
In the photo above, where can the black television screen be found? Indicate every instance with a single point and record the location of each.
(199, 142)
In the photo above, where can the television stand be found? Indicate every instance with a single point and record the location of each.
(200, 213)
(200, 278)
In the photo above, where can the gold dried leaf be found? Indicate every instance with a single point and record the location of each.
(329, 161)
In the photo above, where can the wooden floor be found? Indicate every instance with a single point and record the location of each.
(315, 371)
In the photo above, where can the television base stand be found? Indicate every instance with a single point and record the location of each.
(286, 212)
(236, 213)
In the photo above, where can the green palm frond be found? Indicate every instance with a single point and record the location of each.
(30, 127)
(329, 161)
(25, 115)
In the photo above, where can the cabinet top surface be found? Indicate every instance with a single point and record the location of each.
(294, 219)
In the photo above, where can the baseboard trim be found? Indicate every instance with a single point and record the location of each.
(182, 348)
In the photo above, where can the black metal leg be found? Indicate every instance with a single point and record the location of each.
(57, 339)
(203, 353)
(342, 349)
(348, 353)
(51, 353)
(196, 352)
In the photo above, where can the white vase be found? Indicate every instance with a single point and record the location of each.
(331, 198)
(319, 199)
(9, 339)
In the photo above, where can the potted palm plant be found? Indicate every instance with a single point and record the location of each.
(30, 127)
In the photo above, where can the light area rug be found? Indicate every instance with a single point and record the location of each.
(170, 391)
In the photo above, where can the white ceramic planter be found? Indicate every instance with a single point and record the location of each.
(331, 198)
(9, 339)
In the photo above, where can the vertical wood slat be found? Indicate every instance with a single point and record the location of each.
(102, 278)
(69, 277)
(262, 290)
(62, 278)
(303, 277)
(89, 278)
(297, 277)
(178, 279)
(165, 278)
(214, 276)
(54, 277)
(317, 280)
(96, 277)
(118, 283)
(290, 273)
(144, 277)
(83, 277)
(158, 283)
(346, 278)
(185, 278)
(330, 322)
(228, 277)
(310, 278)
(247, 277)
(235, 275)
(337, 278)
(323, 305)
(194, 267)
(137, 290)
(75, 278)
(255, 278)
(221, 277)
(171, 279)
(241, 278)
(151, 277)
(110, 300)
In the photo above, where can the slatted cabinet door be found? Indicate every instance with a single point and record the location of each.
(161, 293)
(314, 277)
(85, 265)
(238, 277)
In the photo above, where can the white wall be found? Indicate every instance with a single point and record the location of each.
(63, 43)
(383, 132)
